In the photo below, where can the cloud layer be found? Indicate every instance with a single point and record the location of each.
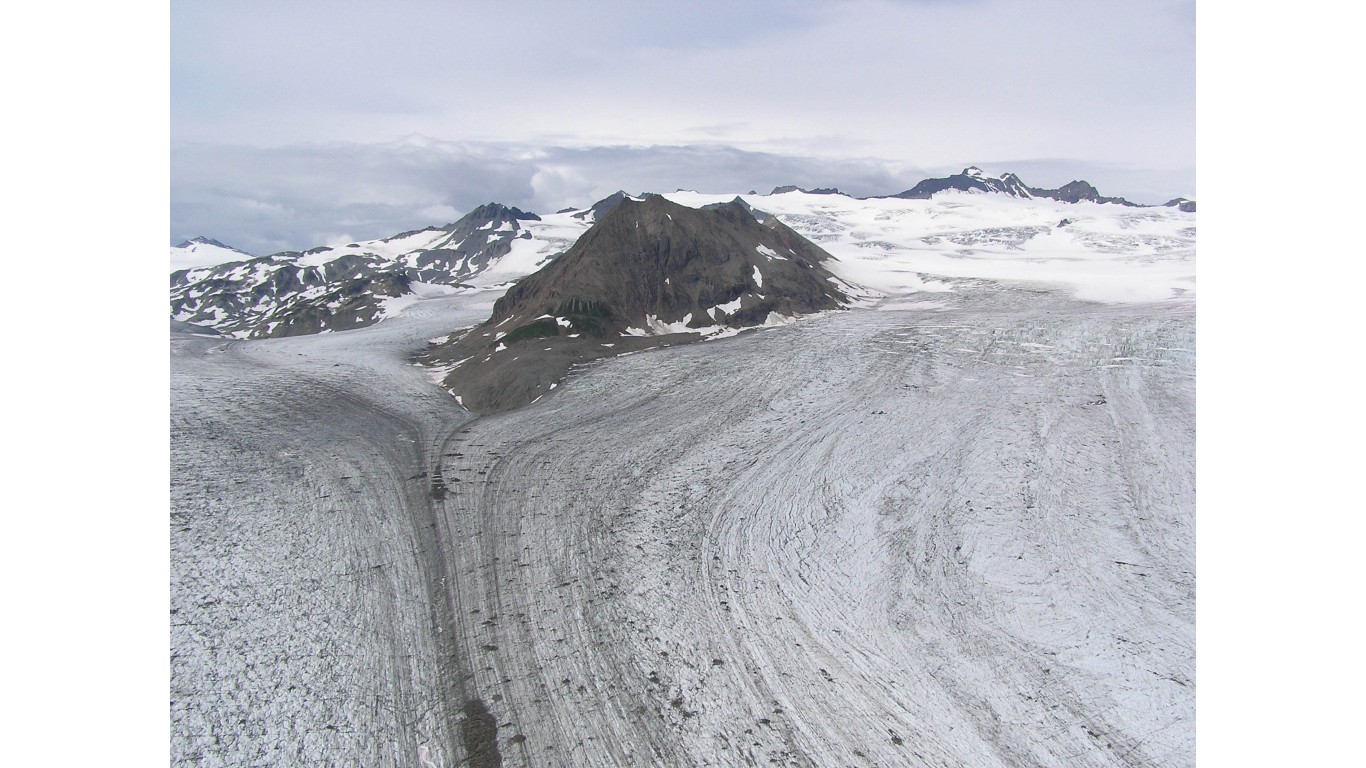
(286, 111)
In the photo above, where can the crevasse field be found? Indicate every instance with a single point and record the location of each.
(952, 526)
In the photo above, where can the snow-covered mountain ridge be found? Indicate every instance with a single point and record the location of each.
(351, 286)
(892, 246)
(199, 251)
(911, 249)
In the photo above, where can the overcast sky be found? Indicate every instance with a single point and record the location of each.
(295, 124)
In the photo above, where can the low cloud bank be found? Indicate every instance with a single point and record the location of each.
(265, 200)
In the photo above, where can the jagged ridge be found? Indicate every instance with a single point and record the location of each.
(339, 288)
(972, 179)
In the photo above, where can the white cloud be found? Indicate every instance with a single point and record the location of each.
(555, 182)
(927, 82)
(442, 213)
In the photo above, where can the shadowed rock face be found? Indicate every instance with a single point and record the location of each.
(669, 261)
(604, 206)
(649, 273)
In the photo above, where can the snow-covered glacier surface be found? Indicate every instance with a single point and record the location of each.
(1095, 252)
(959, 531)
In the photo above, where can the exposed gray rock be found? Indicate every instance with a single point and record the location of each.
(794, 188)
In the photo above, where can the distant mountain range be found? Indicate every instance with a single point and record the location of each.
(972, 179)
(335, 288)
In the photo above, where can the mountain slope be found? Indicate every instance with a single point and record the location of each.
(351, 286)
(650, 273)
(203, 251)
(794, 188)
(924, 252)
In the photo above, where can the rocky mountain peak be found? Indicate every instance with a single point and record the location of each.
(201, 240)
(597, 210)
(496, 212)
(973, 179)
(1076, 191)
(649, 272)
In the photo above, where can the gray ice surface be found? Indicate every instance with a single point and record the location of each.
(960, 536)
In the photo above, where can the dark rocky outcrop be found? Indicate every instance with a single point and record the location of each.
(972, 179)
(649, 273)
(1076, 192)
(1182, 204)
(602, 207)
(793, 188)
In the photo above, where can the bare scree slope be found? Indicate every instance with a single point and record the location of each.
(650, 273)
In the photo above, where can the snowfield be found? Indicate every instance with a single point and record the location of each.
(1108, 253)
(954, 530)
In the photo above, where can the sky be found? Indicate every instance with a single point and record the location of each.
(308, 123)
